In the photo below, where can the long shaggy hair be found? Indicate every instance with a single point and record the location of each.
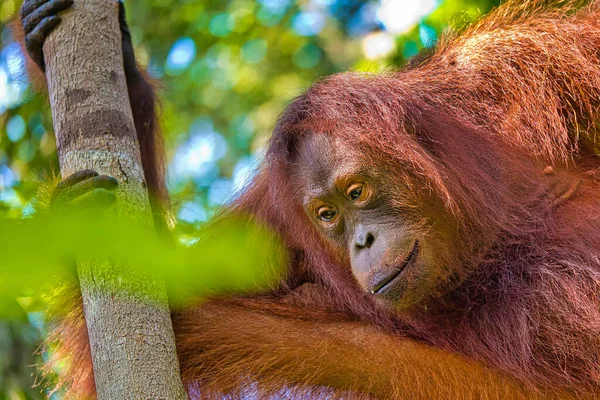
(499, 124)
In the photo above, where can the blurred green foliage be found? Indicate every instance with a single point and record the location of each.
(227, 69)
(231, 254)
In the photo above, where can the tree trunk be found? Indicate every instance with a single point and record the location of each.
(127, 315)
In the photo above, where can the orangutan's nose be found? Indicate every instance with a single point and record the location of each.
(364, 239)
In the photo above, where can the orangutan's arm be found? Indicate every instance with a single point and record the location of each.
(225, 346)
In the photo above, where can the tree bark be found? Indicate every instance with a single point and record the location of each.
(127, 315)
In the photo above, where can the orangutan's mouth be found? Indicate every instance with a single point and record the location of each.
(385, 282)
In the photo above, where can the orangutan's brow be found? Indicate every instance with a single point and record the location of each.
(341, 182)
(346, 176)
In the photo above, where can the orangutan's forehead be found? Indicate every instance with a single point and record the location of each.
(323, 159)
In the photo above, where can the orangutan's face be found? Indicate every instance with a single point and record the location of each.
(400, 253)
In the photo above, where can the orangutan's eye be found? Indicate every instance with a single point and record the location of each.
(355, 191)
(326, 213)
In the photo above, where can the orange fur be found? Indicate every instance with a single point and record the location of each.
(475, 124)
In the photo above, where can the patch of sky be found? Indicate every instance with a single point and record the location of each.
(192, 212)
(220, 192)
(268, 19)
(196, 158)
(308, 23)
(8, 178)
(3, 90)
(378, 44)
(322, 3)
(259, 154)
(181, 55)
(11, 92)
(275, 6)
(15, 63)
(399, 16)
(244, 171)
(15, 128)
(363, 21)
(427, 35)
(12, 77)
(272, 11)
(10, 198)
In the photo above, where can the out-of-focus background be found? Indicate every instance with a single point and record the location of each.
(228, 68)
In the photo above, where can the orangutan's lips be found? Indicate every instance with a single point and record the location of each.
(385, 281)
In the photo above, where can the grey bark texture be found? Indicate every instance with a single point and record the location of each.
(127, 314)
